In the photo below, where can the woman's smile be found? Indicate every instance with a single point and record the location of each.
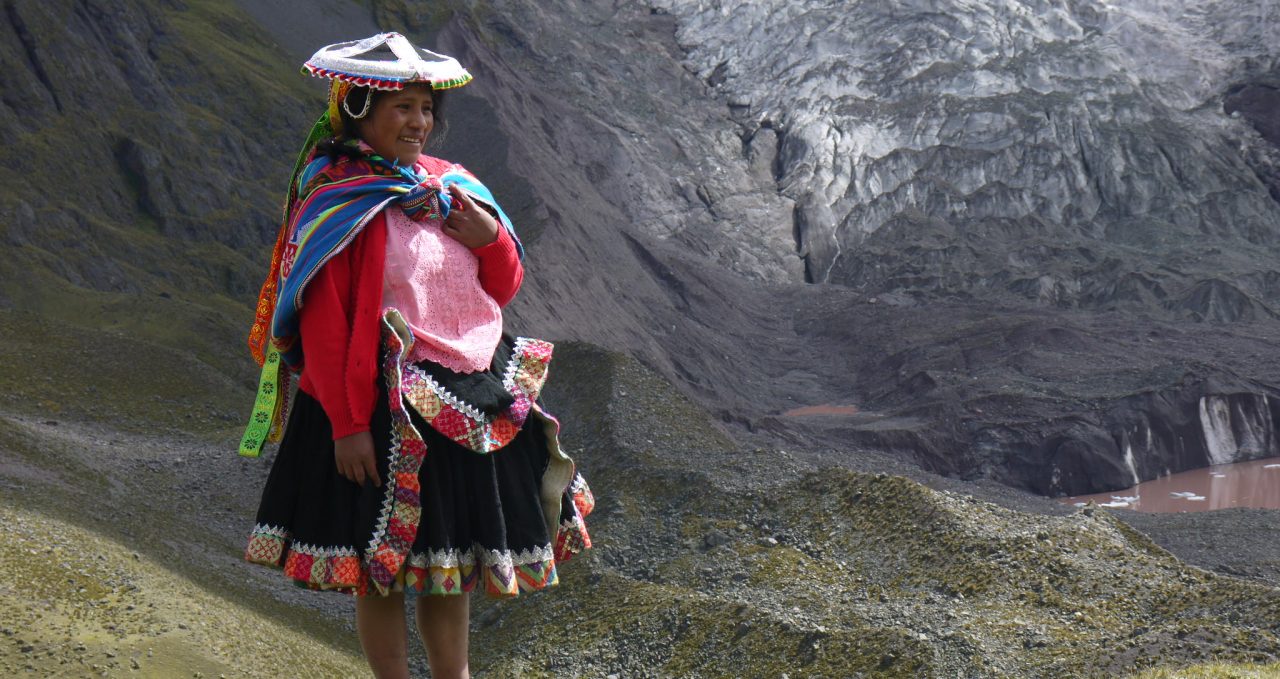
(399, 124)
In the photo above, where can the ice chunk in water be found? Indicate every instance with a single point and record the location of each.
(1182, 494)
(1196, 498)
(1114, 504)
(1271, 466)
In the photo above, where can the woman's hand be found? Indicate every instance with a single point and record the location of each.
(354, 457)
(469, 223)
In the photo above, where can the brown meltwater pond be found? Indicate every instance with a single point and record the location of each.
(1240, 484)
(824, 409)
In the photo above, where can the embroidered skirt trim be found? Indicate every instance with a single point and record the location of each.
(452, 571)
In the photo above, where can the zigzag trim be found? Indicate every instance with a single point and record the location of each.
(385, 83)
(472, 412)
(513, 365)
(273, 531)
(388, 496)
(523, 377)
(453, 558)
(492, 557)
(390, 544)
(322, 552)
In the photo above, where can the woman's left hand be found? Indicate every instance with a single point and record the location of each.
(469, 223)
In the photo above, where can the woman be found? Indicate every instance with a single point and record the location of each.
(416, 459)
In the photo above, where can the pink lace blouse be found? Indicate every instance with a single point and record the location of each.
(433, 280)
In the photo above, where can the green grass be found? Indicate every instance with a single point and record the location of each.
(103, 606)
(111, 374)
(1215, 671)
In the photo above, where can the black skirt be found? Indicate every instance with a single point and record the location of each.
(492, 497)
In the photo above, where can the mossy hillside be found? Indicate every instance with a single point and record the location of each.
(112, 375)
(710, 559)
(875, 585)
(656, 630)
(1214, 671)
(144, 204)
(215, 113)
(76, 603)
(1085, 579)
(183, 505)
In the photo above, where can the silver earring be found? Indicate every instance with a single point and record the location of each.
(368, 99)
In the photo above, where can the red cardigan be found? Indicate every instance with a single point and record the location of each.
(340, 321)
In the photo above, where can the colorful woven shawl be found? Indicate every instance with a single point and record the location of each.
(337, 200)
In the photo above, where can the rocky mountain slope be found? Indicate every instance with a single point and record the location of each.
(708, 556)
(137, 189)
(678, 191)
(1012, 145)
(1028, 169)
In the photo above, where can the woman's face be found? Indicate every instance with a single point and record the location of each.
(398, 126)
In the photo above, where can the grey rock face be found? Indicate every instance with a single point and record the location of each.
(1012, 205)
(1012, 146)
(1018, 219)
(111, 104)
(645, 133)
(1257, 100)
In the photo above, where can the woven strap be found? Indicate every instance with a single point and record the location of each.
(266, 423)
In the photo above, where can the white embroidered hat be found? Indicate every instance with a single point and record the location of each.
(387, 61)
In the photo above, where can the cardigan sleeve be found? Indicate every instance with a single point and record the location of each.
(500, 269)
(340, 331)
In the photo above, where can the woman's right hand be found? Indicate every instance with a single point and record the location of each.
(354, 457)
(468, 223)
